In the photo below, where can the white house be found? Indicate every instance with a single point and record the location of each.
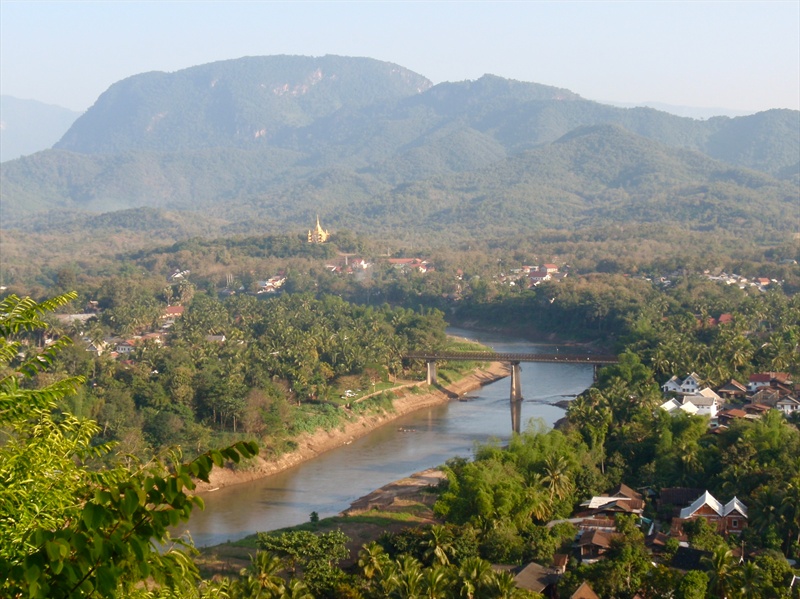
(706, 406)
(673, 385)
(789, 406)
(674, 407)
(691, 384)
(711, 394)
(671, 405)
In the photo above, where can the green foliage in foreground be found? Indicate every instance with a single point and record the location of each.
(300, 567)
(66, 529)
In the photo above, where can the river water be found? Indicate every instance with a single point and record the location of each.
(330, 483)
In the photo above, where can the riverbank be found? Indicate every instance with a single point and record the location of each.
(405, 503)
(312, 445)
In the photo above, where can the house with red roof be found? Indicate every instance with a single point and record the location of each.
(728, 518)
(759, 380)
(539, 276)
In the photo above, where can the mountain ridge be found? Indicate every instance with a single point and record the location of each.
(351, 137)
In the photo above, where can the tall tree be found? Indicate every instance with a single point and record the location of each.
(68, 529)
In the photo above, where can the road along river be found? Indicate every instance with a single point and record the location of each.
(427, 438)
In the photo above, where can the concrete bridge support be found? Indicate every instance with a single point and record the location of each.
(516, 415)
(516, 383)
(516, 398)
(431, 378)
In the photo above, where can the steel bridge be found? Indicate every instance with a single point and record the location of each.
(514, 359)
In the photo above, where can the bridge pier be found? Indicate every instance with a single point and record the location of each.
(516, 398)
(431, 378)
(516, 416)
(516, 383)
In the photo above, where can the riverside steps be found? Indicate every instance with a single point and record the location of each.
(514, 360)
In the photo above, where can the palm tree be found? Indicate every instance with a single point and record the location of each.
(536, 502)
(473, 575)
(372, 560)
(438, 545)
(505, 587)
(295, 589)
(261, 578)
(556, 476)
(409, 577)
(790, 510)
(591, 414)
(746, 581)
(388, 580)
(720, 564)
(767, 510)
(436, 582)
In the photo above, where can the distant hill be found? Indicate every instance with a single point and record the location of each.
(233, 103)
(693, 112)
(28, 126)
(593, 176)
(369, 143)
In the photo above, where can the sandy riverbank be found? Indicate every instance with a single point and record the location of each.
(311, 445)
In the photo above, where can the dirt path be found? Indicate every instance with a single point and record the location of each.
(310, 446)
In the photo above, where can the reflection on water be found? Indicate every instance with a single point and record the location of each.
(328, 484)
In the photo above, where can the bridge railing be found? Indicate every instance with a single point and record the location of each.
(514, 357)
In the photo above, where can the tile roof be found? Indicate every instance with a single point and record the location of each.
(584, 592)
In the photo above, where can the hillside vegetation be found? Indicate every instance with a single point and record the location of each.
(262, 143)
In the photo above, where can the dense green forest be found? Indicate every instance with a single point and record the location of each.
(268, 370)
(494, 508)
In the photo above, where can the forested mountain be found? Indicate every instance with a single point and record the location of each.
(603, 174)
(269, 141)
(28, 126)
(233, 103)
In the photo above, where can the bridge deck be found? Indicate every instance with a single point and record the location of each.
(511, 357)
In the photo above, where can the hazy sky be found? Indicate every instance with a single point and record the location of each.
(736, 55)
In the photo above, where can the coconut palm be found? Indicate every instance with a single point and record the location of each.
(295, 589)
(790, 510)
(372, 560)
(474, 574)
(436, 582)
(505, 587)
(438, 545)
(721, 566)
(535, 503)
(387, 580)
(261, 578)
(556, 476)
(409, 578)
(746, 581)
